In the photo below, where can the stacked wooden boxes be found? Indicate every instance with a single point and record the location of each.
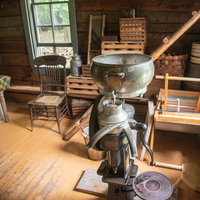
(82, 87)
(79, 107)
(133, 37)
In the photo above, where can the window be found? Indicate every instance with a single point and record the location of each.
(50, 28)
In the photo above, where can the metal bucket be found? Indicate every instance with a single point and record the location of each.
(130, 110)
(76, 63)
(93, 155)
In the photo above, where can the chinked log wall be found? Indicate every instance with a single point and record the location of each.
(164, 18)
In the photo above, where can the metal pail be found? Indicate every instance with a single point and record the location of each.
(93, 155)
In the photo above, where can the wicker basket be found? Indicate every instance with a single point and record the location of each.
(172, 64)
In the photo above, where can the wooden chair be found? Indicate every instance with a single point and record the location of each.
(51, 104)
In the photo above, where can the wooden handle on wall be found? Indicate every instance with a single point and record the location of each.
(175, 36)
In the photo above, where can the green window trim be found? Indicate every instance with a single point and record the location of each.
(30, 30)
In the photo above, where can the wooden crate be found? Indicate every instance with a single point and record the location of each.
(119, 47)
(133, 29)
(86, 70)
(80, 106)
(83, 87)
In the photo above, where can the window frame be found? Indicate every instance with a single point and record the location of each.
(30, 30)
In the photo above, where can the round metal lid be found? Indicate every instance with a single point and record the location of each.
(152, 185)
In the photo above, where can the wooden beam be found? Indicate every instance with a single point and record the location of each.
(175, 36)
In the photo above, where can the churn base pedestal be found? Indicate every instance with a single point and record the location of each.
(91, 183)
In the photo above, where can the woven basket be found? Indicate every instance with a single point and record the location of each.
(172, 64)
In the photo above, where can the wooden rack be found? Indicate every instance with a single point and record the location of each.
(82, 87)
(119, 47)
(79, 107)
(180, 110)
(133, 29)
(86, 70)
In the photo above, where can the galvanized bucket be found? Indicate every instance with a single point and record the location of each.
(93, 155)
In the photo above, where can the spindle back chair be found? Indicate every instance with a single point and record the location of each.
(51, 104)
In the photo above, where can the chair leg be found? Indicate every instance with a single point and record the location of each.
(57, 118)
(31, 117)
(47, 111)
(68, 108)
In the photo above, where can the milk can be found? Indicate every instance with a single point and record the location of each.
(76, 64)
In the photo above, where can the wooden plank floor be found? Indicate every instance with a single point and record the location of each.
(40, 165)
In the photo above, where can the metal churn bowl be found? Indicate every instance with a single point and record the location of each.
(125, 74)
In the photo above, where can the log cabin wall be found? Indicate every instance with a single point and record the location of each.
(14, 60)
(164, 18)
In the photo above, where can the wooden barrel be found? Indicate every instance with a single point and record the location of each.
(192, 71)
(195, 53)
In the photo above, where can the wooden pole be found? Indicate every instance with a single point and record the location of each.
(177, 183)
(166, 91)
(178, 105)
(179, 78)
(152, 139)
(175, 36)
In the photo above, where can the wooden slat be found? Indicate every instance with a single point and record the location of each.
(24, 73)
(160, 17)
(120, 51)
(143, 5)
(83, 96)
(180, 93)
(80, 81)
(89, 87)
(12, 31)
(170, 28)
(13, 47)
(178, 119)
(118, 47)
(11, 21)
(10, 8)
(82, 86)
(14, 59)
(82, 92)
